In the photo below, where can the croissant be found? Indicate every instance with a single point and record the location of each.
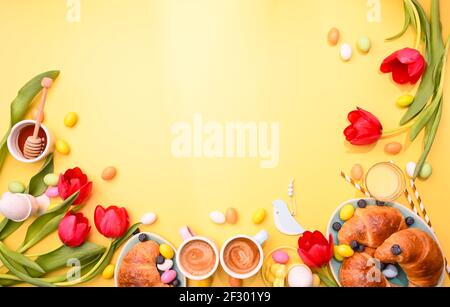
(418, 255)
(361, 271)
(138, 268)
(371, 226)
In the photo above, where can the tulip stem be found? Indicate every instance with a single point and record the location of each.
(418, 24)
(88, 274)
(324, 276)
(398, 130)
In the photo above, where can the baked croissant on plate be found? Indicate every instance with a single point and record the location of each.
(417, 254)
(371, 226)
(361, 271)
(138, 268)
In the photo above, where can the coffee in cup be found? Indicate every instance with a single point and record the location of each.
(242, 256)
(197, 257)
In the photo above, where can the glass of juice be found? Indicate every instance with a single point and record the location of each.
(385, 182)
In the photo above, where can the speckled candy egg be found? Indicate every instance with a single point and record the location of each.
(166, 265)
(168, 276)
(217, 217)
(149, 218)
(280, 257)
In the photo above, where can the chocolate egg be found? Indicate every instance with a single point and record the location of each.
(333, 36)
(393, 148)
(357, 172)
(231, 216)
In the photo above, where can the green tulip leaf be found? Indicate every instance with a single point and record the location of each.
(406, 25)
(59, 258)
(429, 139)
(18, 272)
(20, 259)
(46, 224)
(37, 187)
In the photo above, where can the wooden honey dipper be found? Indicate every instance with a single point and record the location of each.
(34, 145)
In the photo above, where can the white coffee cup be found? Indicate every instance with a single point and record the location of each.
(188, 237)
(13, 142)
(258, 240)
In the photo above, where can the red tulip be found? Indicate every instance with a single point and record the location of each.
(72, 181)
(111, 222)
(365, 128)
(406, 65)
(73, 229)
(315, 250)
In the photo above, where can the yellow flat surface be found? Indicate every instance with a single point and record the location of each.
(131, 69)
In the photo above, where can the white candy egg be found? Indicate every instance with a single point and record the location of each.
(167, 265)
(390, 271)
(149, 218)
(217, 217)
(300, 276)
(16, 207)
(411, 169)
(346, 52)
(43, 202)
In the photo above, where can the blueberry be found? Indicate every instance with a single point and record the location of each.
(354, 245)
(396, 250)
(380, 203)
(337, 226)
(175, 283)
(362, 203)
(361, 248)
(136, 231)
(143, 237)
(160, 259)
(410, 221)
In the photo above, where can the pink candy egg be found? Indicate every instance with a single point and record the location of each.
(52, 192)
(280, 257)
(168, 276)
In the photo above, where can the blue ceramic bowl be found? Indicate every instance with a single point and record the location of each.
(135, 240)
(401, 280)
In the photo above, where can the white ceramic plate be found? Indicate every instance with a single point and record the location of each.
(401, 280)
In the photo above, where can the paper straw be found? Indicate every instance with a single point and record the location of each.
(421, 205)
(411, 202)
(355, 184)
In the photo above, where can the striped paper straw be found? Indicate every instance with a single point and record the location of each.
(411, 202)
(355, 184)
(425, 216)
(421, 205)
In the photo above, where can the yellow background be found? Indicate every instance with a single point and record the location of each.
(131, 69)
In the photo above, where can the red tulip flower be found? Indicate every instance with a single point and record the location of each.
(72, 181)
(316, 252)
(112, 222)
(406, 65)
(314, 249)
(364, 129)
(73, 229)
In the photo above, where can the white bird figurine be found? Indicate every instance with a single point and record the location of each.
(284, 221)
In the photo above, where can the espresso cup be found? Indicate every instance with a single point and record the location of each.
(242, 256)
(195, 252)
